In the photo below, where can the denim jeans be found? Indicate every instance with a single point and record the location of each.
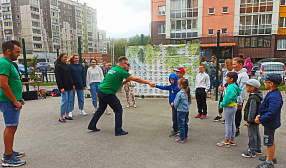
(229, 115)
(183, 119)
(254, 137)
(80, 99)
(175, 120)
(114, 103)
(45, 76)
(94, 91)
(66, 101)
(212, 82)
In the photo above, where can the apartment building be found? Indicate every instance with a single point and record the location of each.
(48, 25)
(255, 28)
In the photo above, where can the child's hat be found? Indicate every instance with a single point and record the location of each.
(253, 82)
(180, 69)
(275, 78)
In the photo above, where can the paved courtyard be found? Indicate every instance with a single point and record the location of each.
(49, 143)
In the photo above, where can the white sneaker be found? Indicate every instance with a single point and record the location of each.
(82, 112)
(128, 106)
(70, 114)
(107, 112)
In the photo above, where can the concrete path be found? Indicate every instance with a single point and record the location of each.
(51, 144)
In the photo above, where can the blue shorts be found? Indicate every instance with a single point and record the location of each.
(11, 116)
(268, 138)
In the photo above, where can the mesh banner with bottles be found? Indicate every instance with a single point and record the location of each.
(156, 63)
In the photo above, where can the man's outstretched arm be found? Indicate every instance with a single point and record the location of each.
(139, 80)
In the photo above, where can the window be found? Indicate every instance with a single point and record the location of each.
(37, 45)
(223, 31)
(35, 16)
(7, 16)
(34, 9)
(255, 24)
(263, 41)
(282, 22)
(161, 29)
(18, 16)
(211, 10)
(8, 23)
(283, 2)
(18, 24)
(36, 38)
(161, 10)
(36, 31)
(224, 9)
(35, 1)
(19, 31)
(281, 44)
(36, 24)
(211, 32)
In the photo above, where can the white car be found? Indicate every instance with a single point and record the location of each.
(271, 67)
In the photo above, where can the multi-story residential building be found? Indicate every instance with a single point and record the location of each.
(102, 42)
(48, 25)
(255, 28)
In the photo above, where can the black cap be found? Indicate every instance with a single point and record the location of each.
(275, 78)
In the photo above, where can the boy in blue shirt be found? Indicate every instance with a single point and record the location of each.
(270, 117)
(173, 90)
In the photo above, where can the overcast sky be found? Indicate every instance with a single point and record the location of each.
(122, 18)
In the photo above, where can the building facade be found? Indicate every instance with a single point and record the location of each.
(255, 28)
(48, 25)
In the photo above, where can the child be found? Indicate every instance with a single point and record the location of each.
(270, 117)
(182, 104)
(250, 112)
(180, 72)
(173, 90)
(202, 86)
(223, 86)
(230, 104)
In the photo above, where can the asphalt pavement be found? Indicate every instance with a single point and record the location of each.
(51, 144)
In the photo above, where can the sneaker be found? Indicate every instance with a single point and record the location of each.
(174, 134)
(134, 106)
(13, 162)
(62, 120)
(68, 118)
(223, 122)
(186, 139)
(266, 165)
(258, 152)
(232, 143)
(223, 144)
(248, 154)
(218, 118)
(16, 154)
(70, 114)
(128, 105)
(263, 158)
(108, 112)
(198, 115)
(203, 117)
(121, 133)
(180, 141)
(82, 112)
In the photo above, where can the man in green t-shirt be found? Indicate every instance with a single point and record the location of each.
(106, 94)
(10, 101)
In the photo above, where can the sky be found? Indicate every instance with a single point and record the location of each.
(122, 18)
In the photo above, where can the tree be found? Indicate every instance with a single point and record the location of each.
(136, 40)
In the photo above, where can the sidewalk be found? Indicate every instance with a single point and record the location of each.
(49, 143)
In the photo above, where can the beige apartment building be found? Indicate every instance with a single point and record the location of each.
(48, 25)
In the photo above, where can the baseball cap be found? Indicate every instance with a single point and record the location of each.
(275, 78)
(253, 82)
(180, 69)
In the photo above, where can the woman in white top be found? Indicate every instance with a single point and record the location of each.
(129, 89)
(94, 77)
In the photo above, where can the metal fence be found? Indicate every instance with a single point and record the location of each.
(51, 76)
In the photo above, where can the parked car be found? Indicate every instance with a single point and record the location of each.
(254, 69)
(271, 67)
(21, 68)
(49, 66)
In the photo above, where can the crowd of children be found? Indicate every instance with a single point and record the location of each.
(235, 83)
